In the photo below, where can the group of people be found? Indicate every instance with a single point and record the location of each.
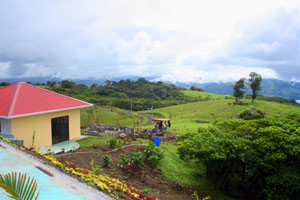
(161, 126)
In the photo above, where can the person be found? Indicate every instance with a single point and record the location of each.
(169, 123)
(154, 130)
(160, 125)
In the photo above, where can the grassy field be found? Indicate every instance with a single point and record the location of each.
(91, 140)
(187, 174)
(106, 116)
(205, 95)
(184, 117)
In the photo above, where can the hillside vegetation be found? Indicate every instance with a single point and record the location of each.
(125, 94)
(189, 117)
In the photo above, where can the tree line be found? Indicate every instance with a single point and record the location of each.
(127, 94)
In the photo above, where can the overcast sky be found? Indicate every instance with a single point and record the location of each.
(187, 40)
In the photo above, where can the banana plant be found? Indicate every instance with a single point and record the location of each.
(19, 186)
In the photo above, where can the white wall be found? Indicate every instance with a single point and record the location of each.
(5, 126)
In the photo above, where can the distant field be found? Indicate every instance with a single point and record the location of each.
(204, 95)
(184, 116)
(106, 116)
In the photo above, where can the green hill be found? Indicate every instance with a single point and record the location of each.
(185, 116)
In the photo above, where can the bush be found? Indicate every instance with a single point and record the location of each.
(263, 155)
(106, 160)
(113, 142)
(251, 113)
(153, 154)
(135, 158)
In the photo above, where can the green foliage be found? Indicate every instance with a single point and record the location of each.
(197, 89)
(106, 160)
(251, 113)
(258, 152)
(139, 94)
(255, 80)
(237, 92)
(153, 154)
(113, 142)
(67, 84)
(19, 186)
(33, 139)
(136, 158)
(96, 170)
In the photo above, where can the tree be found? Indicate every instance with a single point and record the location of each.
(255, 80)
(237, 92)
(67, 84)
(263, 155)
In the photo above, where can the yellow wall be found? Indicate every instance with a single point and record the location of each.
(23, 127)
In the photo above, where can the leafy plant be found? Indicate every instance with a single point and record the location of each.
(251, 113)
(153, 154)
(106, 160)
(95, 168)
(113, 142)
(135, 158)
(19, 186)
(33, 139)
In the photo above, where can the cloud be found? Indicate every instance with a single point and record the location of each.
(272, 43)
(174, 40)
(215, 74)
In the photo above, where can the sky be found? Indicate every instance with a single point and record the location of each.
(170, 40)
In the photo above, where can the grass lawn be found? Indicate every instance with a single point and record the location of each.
(188, 174)
(104, 116)
(87, 142)
(103, 140)
(205, 95)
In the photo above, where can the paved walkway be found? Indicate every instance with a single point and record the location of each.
(57, 187)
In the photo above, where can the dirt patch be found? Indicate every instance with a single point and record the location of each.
(146, 179)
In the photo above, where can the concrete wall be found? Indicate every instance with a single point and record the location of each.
(24, 127)
(5, 126)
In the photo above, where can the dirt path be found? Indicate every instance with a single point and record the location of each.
(140, 115)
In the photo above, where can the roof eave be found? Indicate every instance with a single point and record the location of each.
(45, 112)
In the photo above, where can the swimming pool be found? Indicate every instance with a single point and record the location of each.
(51, 188)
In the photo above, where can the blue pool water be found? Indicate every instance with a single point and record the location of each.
(49, 187)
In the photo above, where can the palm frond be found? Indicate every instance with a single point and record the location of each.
(19, 186)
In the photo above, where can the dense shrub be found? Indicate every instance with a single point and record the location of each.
(113, 142)
(251, 113)
(263, 154)
(106, 159)
(153, 154)
(136, 158)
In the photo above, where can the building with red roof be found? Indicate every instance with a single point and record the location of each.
(27, 110)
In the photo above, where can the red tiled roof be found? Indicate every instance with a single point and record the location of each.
(22, 99)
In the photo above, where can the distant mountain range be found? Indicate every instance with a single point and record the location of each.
(270, 87)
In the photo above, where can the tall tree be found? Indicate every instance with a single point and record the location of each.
(255, 80)
(237, 88)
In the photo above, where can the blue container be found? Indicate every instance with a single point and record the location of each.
(157, 141)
